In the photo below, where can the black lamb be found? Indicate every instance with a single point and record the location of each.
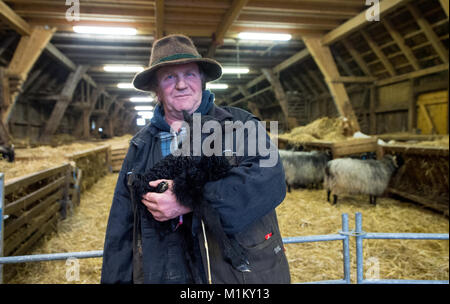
(189, 175)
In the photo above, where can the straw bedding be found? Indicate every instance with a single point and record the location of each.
(303, 212)
(325, 128)
(33, 159)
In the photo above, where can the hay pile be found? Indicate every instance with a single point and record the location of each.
(30, 160)
(325, 128)
(82, 231)
(306, 212)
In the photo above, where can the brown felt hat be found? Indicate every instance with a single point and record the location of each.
(175, 49)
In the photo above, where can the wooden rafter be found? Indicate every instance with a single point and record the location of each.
(159, 16)
(400, 41)
(231, 15)
(324, 59)
(279, 93)
(13, 20)
(429, 32)
(26, 54)
(64, 100)
(377, 50)
(444, 4)
(359, 21)
(357, 57)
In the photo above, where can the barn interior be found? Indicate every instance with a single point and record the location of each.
(341, 76)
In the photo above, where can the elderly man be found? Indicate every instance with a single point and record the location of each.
(246, 198)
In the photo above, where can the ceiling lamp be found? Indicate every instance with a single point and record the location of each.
(146, 114)
(123, 68)
(140, 121)
(125, 85)
(141, 99)
(235, 70)
(219, 86)
(143, 108)
(264, 36)
(102, 30)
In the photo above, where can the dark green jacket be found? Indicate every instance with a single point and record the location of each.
(245, 200)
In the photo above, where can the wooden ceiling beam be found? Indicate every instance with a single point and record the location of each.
(231, 15)
(331, 7)
(324, 59)
(444, 4)
(359, 21)
(159, 16)
(400, 41)
(429, 32)
(379, 53)
(13, 20)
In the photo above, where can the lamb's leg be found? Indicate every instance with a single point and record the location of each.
(328, 195)
(231, 249)
(373, 200)
(335, 198)
(288, 186)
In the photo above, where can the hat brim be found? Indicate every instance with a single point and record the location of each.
(212, 69)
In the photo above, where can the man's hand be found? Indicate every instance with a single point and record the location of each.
(163, 206)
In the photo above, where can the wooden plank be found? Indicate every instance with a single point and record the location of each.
(372, 107)
(81, 154)
(426, 114)
(379, 53)
(25, 217)
(444, 4)
(416, 74)
(359, 21)
(230, 16)
(36, 230)
(26, 54)
(357, 57)
(416, 150)
(63, 102)
(427, 202)
(13, 20)
(354, 146)
(279, 92)
(324, 59)
(354, 79)
(400, 41)
(25, 201)
(412, 109)
(429, 32)
(159, 16)
(24, 181)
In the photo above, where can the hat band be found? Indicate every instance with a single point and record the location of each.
(175, 57)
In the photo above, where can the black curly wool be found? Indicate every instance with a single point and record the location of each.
(189, 175)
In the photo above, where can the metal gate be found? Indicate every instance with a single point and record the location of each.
(343, 235)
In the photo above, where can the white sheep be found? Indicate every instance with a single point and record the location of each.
(355, 176)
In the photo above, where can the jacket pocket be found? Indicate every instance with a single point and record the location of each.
(265, 252)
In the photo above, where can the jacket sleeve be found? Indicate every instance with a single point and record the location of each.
(252, 189)
(118, 249)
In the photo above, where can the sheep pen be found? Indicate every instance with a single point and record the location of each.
(303, 212)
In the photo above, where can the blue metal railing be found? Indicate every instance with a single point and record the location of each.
(344, 236)
(361, 235)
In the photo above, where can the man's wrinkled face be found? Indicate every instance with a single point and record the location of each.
(179, 87)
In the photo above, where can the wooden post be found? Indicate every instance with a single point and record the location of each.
(324, 59)
(64, 100)
(279, 93)
(412, 109)
(444, 4)
(251, 105)
(372, 113)
(25, 56)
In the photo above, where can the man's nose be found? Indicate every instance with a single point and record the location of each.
(181, 83)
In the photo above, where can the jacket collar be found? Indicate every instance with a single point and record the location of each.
(149, 130)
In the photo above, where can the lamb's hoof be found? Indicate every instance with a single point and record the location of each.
(243, 268)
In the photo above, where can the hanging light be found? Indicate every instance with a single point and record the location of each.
(103, 30)
(264, 36)
(218, 86)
